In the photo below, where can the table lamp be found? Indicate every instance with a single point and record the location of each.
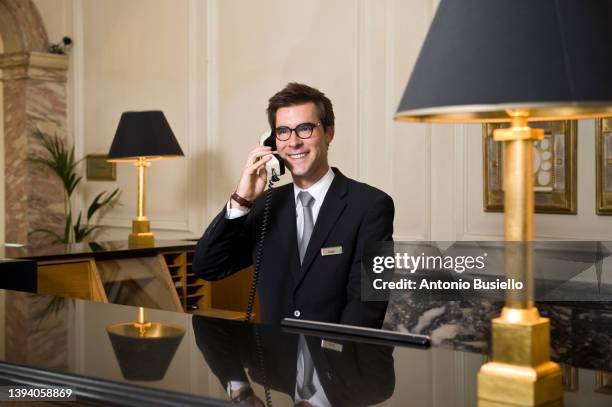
(515, 61)
(142, 137)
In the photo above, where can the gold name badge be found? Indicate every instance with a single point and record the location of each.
(330, 251)
(331, 345)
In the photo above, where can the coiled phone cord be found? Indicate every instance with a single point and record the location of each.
(253, 289)
(260, 245)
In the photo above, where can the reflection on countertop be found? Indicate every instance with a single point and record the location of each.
(93, 249)
(70, 336)
(581, 332)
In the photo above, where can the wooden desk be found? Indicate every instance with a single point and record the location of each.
(155, 277)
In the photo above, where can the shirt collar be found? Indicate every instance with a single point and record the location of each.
(318, 189)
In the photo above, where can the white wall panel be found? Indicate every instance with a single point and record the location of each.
(265, 45)
(411, 143)
(135, 57)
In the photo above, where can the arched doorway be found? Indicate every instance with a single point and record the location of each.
(34, 87)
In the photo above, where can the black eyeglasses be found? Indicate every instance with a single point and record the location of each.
(303, 131)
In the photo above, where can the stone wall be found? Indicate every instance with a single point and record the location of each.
(34, 84)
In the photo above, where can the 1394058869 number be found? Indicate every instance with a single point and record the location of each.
(36, 393)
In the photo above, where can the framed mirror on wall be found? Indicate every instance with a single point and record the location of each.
(554, 168)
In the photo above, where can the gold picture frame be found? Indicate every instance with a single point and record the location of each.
(603, 166)
(99, 169)
(603, 382)
(554, 168)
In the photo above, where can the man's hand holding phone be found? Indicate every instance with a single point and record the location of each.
(254, 176)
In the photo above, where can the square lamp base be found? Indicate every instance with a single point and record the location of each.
(141, 235)
(520, 373)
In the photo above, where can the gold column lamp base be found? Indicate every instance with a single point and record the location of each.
(141, 235)
(520, 372)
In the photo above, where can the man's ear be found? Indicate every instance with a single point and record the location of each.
(329, 134)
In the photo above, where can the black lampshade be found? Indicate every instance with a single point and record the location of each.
(145, 357)
(481, 57)
(144, 134)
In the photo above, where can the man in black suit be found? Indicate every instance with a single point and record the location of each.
(318, 225)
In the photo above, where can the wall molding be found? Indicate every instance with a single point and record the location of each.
(410, 238)
(212, 101)
(361, 79)
(390, 99)
(460, 183)
(196, 94)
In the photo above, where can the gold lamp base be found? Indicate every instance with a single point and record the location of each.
(520, 373)
(141, 235)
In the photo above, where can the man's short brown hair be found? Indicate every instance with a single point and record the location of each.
(296, 94)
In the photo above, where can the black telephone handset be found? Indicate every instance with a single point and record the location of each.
(275, 168)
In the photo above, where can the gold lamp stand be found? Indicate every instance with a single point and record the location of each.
(520, 372)
(141, 228)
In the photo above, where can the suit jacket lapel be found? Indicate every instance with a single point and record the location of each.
(330, 211)
(288, 229)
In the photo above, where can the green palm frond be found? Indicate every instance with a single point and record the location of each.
(60, 159)
(99, 203)
(67, 227)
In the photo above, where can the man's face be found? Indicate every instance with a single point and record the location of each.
(305, 158)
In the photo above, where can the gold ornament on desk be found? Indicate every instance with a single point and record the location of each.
(142, 137)
(493, 62)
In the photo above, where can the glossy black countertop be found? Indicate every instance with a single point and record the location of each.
(92, 249)
(71, 337)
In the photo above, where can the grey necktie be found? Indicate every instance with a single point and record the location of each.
(307, 202)
(307, 389)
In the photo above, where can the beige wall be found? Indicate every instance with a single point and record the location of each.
(56, 15)
(211, 65)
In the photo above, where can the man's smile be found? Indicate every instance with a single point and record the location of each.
(297, 156)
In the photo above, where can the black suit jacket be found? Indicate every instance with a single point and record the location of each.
(323, 288)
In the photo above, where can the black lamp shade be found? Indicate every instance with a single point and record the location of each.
(482, 57)
(144, 134)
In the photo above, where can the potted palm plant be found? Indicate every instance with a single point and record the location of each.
(60, 158)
